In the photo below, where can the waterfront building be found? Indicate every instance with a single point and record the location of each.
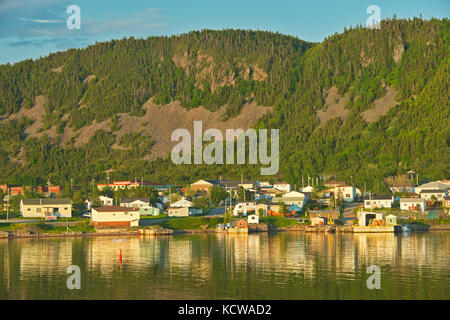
(40, 208)
(115, 216)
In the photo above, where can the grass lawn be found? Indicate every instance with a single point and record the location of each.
(279, 222)
(190, 223)
(46, 228)
(159, 216)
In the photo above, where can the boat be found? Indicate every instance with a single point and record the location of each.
(406, 228)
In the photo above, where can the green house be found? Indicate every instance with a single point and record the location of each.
(148, 211)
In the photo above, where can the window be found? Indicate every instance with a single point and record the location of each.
(38, 210)
(28, 209)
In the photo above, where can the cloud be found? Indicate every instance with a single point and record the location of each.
(40, 20)
(47, 18)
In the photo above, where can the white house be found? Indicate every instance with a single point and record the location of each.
(183, 211)
(434, 185)
(40, 208)
(292, 198)
(364, 218)
(134, 202)
(283, 186)
(345, 192)
(253, 218)
(241, 208)
(149, 211)
(183, 203)
(115, 216)
(374, 202)
(413, 204)
(428, 194)
(308, 189)
(106, 201)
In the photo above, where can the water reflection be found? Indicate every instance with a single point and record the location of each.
(235, 266)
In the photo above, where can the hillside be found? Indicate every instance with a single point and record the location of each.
(362, 105)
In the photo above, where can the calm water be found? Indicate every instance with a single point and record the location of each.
(255, 266)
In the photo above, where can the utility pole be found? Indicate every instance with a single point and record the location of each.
(7, 204)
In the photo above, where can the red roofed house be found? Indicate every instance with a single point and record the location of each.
(115, 216)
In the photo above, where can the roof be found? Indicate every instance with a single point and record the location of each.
(434, 185)
(285, 199)
(115, 209)
(432, 191)
(234, 183)
(209, 181)
(129, 200)
(46, 201)
(334, 183)
(412, 200)
(378, 197)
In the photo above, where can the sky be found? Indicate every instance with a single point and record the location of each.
(35, 28)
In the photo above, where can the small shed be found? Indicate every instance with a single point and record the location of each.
(253, 218)
(241, 224)
(367, 218)
(391, 220)
(318, 221)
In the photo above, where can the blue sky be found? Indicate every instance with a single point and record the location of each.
(34, 28)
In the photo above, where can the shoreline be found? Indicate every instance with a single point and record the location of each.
(168, 232)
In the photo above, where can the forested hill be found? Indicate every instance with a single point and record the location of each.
(362, 105)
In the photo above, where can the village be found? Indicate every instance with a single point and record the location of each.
(221, 205)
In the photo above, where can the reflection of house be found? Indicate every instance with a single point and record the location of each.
(183, 211)
(134, 202)
(44, 207)
(115, 216)
(413, 204)
(374, 202)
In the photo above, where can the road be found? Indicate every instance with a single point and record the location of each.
(216, 212)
